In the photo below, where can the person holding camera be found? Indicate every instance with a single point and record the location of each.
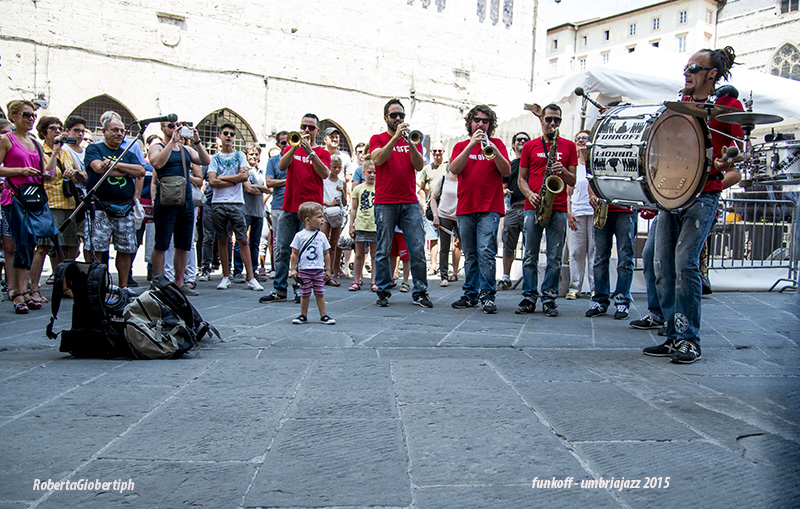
(171, 187)
(61, 191)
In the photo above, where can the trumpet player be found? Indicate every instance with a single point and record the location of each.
(532, 166)
(306, 165)
(480, 163)
(396, 203)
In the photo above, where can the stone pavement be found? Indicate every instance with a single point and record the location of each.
(410, 407)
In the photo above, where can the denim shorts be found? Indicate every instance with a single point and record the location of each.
(173, 219)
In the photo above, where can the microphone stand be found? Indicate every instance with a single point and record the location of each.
(91, 192)
(583, 112)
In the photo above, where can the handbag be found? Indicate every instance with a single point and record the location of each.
(31, 195)
(198, 197)
(172, 189)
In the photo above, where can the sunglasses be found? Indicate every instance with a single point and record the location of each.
(304, 127)
(437, 151)
(27, 115)
(397, 114)
(228, 133)
(283, 143)
(481, 120)
(55, 128)
(523, 140)
(171, 125)
(695, 68)
(552, 120)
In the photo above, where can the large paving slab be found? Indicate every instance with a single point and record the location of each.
(404, 407)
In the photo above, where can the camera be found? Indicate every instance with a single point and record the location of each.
(186, 130)
(66, 139)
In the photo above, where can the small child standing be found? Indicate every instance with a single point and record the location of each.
(362, 224)
(310, 264)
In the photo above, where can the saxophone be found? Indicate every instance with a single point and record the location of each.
(551, 186)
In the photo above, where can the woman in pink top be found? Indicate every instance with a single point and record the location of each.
(20, 164)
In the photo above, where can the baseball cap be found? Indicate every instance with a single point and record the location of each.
(330, 131)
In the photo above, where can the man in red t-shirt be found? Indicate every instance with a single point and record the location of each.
(306, 166)
(681, 235)
(397, 204)
(480, 205)
(532, 165)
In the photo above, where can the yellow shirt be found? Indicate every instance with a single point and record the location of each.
(55, 194)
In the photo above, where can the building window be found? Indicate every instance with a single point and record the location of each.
(656, 24)
(208, 129)
(555, 45)
(481, 10)
(707, 40)
(508, 12)
(786, 62)
(789, 6)
(709, 16)
(96, 106)
(440, 5)
(682, 44)
(632, 29)
(606, 35)
(553, 67)
(654, 44)
(582, 64)
(494, 11)
(631, 49)
(584, 41)
(682, 17)
(605, 57)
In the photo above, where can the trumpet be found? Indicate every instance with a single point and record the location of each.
(413, 137)
(487, 148)
(295, 138)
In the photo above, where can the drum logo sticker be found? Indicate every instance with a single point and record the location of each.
(681, 323)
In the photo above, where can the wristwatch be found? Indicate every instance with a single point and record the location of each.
(311, 156)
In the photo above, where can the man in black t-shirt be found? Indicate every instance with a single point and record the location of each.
(515, 215)
(114, 197)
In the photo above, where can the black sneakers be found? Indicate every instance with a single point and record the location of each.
(300, 320)
(597, 309)
(622, 312)
(646, 323)
(383, 301)
(327, 320)
(665, 349)
(525, 307)
(423, 300)
(686, 352)
(489, 307)
(550, 308)
(272, 297)
(464, 302)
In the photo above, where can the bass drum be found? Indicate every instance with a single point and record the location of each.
(777, 162)
(648, 157)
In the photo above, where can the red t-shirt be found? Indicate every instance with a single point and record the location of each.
(534, 157)
(720, 141)
(396, 179)
(303, 183)
(480, 185)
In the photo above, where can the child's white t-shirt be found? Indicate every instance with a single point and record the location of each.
(314, 255)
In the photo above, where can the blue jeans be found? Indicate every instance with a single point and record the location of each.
(479, 245)
(256, 223)
(678, 244)
(555, 234)
(289, 225)
(407, 217)
(621, 225)
(648, 253)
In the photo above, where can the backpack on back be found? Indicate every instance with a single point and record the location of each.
(97, 328)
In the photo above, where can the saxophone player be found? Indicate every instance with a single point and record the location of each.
(535, 160)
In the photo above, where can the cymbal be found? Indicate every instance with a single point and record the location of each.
(701, 110)
(749, 118)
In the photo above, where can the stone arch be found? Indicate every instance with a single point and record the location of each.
(96, 106)
(345, 145)
(208, 128)
(786, 62)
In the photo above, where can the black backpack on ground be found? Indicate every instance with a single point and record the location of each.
(97, 326)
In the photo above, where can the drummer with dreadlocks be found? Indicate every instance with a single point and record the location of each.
(681, 234)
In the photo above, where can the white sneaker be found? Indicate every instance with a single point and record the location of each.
(254, 285)
(224, 284)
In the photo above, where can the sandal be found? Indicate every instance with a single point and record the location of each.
(332, 282)
(452, 278)
(404, 287)
(32, 304)
(20, 308)
(51, 279)
(355, 287)
(41, 300)
(374, 287)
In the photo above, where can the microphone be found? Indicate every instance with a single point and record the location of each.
(579, 91)
(172, 117)
(730, 153)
